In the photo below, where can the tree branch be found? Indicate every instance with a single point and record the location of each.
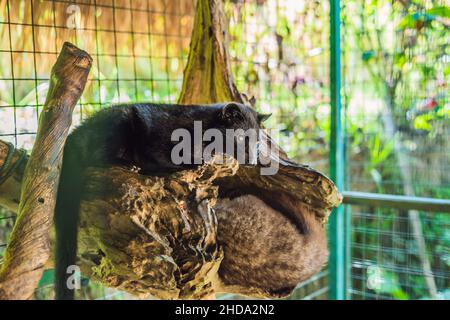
(29, 249)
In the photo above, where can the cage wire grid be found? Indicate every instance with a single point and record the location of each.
(385, 258)
(139, 55)
(139, 50)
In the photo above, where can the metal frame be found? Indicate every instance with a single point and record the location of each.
(337, 223)
(398, 202)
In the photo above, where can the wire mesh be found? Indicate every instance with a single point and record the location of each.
(387, 260)
(279, 54)
(396, 102)
(396, 98)
(137, 55)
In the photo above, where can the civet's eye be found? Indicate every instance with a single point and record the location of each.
(240, 138)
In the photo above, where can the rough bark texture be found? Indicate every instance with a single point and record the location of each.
(303, 183)
(29, 247)
(152, 235)
(159, 236)
(207, 76)
(12, 168)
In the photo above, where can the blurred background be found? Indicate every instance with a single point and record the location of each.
(395, 76)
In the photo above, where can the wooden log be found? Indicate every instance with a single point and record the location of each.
(152, 236)
(12, 168)
(29, 247)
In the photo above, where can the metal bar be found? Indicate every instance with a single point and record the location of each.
(398, 202)
(337, 238)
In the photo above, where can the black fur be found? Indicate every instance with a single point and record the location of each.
(132, 135)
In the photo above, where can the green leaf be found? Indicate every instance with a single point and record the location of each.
(400, 60)
(386, 151)
(421, 123)
(443, 11)
(447, 70)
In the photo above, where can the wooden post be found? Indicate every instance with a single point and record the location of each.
(29, 248)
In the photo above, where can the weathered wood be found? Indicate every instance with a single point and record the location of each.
(207, 76)
(29, 248)
(152, 235)
(159, 236)
(301, 182)
(11, 175)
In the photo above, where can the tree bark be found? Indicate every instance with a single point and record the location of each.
(29, 247)
(152, 236)
(12, 167)
(207, 76)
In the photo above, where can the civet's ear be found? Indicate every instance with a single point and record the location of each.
(263, 116)
(232, 111)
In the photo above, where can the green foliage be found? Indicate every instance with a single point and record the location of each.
(403, 48)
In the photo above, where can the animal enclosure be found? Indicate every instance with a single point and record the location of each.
(391, 59)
